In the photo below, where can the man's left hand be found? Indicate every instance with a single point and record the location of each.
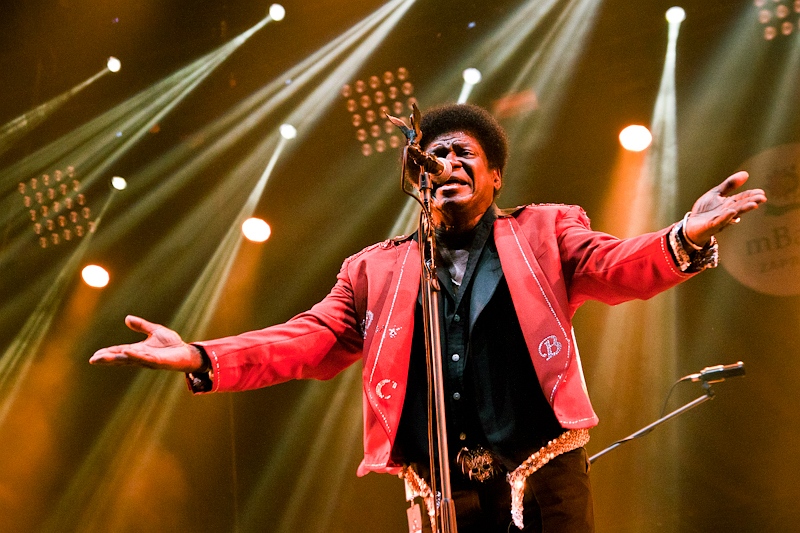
(718, 208)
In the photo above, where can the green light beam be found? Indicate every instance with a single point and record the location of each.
(645, 329)
(18, 358)
(780, 119)
(137, 426)
(548, 69)
(16, 128)
(734, 65)
(547, 72)
(189, 320)
(94, 147)
(328, 90)
(182, 164)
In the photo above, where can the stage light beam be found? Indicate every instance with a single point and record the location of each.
(88, 144)
(150, 401)
(649, 326)
(183, 163)
(315, 103)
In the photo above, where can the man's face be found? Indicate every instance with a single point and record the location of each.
(470, 190)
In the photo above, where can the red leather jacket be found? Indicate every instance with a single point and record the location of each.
(552, 262)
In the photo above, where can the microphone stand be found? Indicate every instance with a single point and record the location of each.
(709, 395)
(446, 513)
(444, 520)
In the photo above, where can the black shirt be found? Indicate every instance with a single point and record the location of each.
(493, 397)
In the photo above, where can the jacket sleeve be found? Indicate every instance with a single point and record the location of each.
(599, 266)
(316, 344)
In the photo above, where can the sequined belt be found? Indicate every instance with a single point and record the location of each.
(566, 442)
(481, 465)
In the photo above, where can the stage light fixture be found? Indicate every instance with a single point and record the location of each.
(472, 76)
(57, 209)
(675, 15)
(113, 64)
(277, 12)
(256, 229)
(119, 183)
(635, 138)
(95, 276)
(778, 17)
(288, 131)
(370, 99)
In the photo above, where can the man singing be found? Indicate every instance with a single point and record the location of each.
(517, 410)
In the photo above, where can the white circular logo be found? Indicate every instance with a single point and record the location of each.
(763, 253)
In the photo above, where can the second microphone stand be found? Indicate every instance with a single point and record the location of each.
(709, 395)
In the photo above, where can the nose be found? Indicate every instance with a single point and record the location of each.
(453, 158)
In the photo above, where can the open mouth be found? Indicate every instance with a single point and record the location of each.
(454, 181)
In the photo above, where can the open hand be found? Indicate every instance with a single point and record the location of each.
(162, 349)
(716, 210)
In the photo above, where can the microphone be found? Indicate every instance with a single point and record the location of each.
(439, 168)
(711, 374)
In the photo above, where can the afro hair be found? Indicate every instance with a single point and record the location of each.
(470, 119)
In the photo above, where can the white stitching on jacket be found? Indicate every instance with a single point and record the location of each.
(544, 295)
(383, 337)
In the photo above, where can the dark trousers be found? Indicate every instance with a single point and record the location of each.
(558, 499)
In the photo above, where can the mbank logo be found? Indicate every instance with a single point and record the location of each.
(764, 252)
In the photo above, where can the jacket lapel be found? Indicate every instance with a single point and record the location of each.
(386, 365)
(489, 272)
(545, 327)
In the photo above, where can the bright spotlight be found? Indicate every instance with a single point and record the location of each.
(256, 230)
(114, 64)
(288, 131)
(119, 183)
(635, 138)
(95, 276)
(277, 12)
(472, 76)
(675, 15)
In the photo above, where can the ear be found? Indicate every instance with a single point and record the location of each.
(497, 180)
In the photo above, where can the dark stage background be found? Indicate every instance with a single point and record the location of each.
(191, 122)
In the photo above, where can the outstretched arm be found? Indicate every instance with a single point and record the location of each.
(162, 349)
(718, 208)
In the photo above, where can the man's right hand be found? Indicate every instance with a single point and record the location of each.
(162, 349)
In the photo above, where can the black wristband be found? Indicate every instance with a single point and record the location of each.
(206, 366)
